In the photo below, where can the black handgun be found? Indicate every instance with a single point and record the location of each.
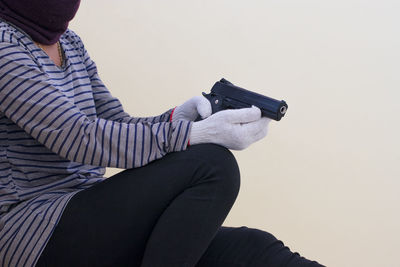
(225, 95)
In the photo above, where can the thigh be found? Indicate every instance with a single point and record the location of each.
(244, 246)
(109, 223)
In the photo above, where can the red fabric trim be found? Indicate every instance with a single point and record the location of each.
(188, 142)
(170, 116)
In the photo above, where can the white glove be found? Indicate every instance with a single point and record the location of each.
(192, 108)
(232, 128)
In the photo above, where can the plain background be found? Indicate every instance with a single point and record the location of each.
(326, 178)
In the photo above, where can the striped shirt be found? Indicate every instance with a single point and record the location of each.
(59, 129)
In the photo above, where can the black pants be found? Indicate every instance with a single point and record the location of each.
(166, 213)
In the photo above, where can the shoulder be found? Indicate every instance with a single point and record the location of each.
(10, 35)
(15, 45)
(75, 42)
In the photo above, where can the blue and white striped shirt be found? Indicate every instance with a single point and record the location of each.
(59, 129)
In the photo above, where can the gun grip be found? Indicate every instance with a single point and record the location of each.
(199, 118)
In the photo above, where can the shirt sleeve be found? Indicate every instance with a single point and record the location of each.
(107, 106)
(30, 100)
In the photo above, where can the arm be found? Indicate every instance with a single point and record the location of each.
(44, 112)
(109, 107)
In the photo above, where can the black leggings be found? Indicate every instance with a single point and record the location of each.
(166, 213)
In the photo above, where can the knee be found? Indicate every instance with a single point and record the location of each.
(258, 237)
(260, 240)
(222, 161)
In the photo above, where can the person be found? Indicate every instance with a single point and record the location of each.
(60, 127)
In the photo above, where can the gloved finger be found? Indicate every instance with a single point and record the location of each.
(255, 128)
(244, 115)
(264, 129)
(189, 104)
(203, 106)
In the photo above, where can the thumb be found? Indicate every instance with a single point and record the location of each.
(244, 115)
(203, 107)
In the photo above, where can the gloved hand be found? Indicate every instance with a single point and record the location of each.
(192, 108)
(232, 128)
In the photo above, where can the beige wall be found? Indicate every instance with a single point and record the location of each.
(326, 178)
